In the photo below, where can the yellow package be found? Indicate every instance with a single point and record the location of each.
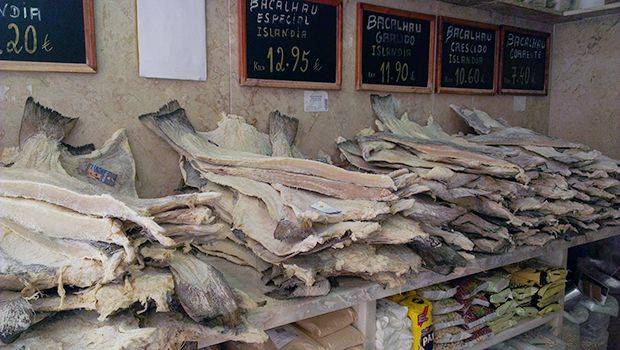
(420, 313)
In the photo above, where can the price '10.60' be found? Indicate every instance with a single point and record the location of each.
(278, 61)
(468, 76)
(394, 73)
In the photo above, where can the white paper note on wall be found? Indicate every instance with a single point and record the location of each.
(315, 101)
(172, 39)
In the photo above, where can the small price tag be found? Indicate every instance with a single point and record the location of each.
(315, 101)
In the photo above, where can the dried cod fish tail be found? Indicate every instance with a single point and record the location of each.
(39, 119)
(202, 290)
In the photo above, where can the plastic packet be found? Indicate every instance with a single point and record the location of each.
(437, 292)
(477, 315)
(420, 313)
(496, 281)
(451, 335)
(445, 306)
(528, 311)
(468, 287)
(450, 319)
(501, 297)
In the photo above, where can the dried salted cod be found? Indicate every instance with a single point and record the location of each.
(351, 153)
(115, 157)
(433, 213)
(361, 260)
(478, 120)
(396, 229)
(453, 238)
(229, 250)
(189, 216)
(38, 119)
(517, 136)
(143, 286)
(79, 330)
(323, 209)
(31, 260)
(175, 329)
(58, 222)
(201, 289)
(472, 223)
(437, 257)
(234, 133)
(251, 218)
(177, 130)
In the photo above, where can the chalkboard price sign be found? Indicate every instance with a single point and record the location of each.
(395, 49)
(290, 43)
(467, 54)
(524, 63)
(44, 35)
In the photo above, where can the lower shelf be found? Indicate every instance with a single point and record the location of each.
(520, 328)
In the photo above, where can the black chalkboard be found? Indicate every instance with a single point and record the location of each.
(467, 56)
(47, 35)
(291, 43)
(395, 49)
(524, 67)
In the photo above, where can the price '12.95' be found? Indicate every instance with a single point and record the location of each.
(279, 61)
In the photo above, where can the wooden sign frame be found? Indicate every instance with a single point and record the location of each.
(543, 92)
(359, 85)
(243, 74)
(89, 46)
(438, 87)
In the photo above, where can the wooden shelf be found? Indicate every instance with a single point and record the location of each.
(353, 291)
(520, 328)
(540, 14)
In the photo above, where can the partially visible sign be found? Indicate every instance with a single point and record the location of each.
(315, 101)
(43, 35)
(290, 43)
(395, 49)
(467, 55)
(524, 64)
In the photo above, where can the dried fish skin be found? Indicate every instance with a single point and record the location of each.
(234, 133)
(478, 120)
(16, 316)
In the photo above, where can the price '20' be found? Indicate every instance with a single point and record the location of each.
(278, 61)
(30, 43)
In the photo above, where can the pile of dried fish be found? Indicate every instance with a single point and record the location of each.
(485, 193)
(295, 220)
(74, 236)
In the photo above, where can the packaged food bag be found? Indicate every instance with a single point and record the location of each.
(324, 325)
(393, 326)
(437, 292)
(345, 338)
(451, 335)
(444, 306)
(420, 313)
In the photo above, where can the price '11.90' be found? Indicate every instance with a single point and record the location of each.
(295, 60)
(395, 72)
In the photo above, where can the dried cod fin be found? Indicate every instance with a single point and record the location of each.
(437, 257)
(115, 156)
(234, 133)
(366, 261)
(30, 260)
(282, 134)
(142, 287)
(58, 222)
(79, 330)
(178, 131)
(201, 289)
(16, 316)
(478, 120)
(38, 119)
(175, 329)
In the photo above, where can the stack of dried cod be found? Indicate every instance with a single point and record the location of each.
(295, 220)
(485, 193)
(74, 236)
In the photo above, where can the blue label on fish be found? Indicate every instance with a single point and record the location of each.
(100, 174)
